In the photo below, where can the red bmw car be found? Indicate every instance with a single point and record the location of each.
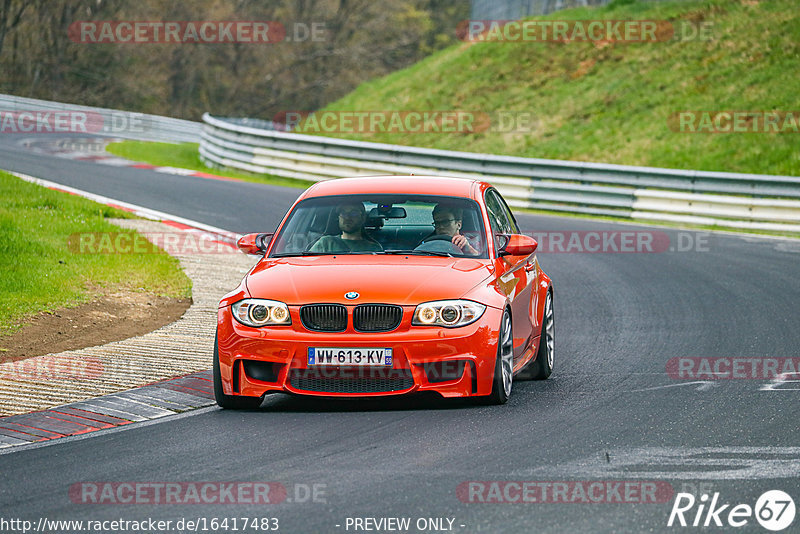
(387, 286)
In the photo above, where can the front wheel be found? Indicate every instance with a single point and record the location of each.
(504, 365)
(230, 402)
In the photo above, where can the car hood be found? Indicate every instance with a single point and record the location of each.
(397, 279)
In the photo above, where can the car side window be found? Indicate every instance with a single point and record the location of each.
(497, 213)
(498, 220)
(512, 222)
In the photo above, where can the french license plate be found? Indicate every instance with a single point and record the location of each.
(353, 356)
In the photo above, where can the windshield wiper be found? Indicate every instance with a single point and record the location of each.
(296, 254)
(420, 253)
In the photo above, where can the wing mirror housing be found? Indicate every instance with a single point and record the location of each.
(518, 245)
(256, 244)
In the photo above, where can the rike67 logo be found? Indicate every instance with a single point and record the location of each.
(774, 510)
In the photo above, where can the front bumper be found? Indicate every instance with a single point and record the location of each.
(454, 362)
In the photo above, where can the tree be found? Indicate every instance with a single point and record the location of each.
(10, 16)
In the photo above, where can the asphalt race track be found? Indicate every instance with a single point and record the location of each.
(610, 412)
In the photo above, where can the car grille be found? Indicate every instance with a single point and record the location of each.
(377, 317)
(324, 317)
(353, 381)
(366, 317)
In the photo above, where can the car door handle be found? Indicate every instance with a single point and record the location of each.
(531, 265)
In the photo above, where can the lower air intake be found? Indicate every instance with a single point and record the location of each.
(355, 381)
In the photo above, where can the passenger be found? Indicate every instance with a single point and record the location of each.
(352, 216)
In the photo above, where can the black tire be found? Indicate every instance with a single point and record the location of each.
(542, 367)
(501, 390)
(230, 402)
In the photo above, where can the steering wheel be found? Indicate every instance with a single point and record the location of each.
(439, 243)
(438, 237)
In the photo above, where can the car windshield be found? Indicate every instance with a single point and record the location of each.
(383, 224)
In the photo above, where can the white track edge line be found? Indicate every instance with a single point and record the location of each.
(147, 213)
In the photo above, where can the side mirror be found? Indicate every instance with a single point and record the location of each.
(254, 243)
(518, 245)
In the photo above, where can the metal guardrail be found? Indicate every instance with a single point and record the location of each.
(101, 121)
(684, 196)
(516, 9)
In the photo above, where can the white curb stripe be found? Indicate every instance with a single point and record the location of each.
(141, 211)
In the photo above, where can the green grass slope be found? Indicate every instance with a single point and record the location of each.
(610, 102)
(187, 156)
(39, 269)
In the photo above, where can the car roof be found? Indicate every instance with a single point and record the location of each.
(408, 184)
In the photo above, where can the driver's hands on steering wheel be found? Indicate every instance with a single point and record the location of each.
(461, 242)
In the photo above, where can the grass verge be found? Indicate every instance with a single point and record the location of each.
(612, 102)
(186, 156)
(41, 273)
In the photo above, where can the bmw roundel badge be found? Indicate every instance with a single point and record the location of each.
(352, 295)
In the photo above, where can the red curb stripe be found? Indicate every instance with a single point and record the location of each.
(22, 436)
(63, 421)
(31, 430)
(161, 383)
(40, 421)
(88, 423)
(123, 208)
(178, 225)
(195, 383)
(109, 419)
(9, 441)
(215, 177)
(190, 391)
(204, 375)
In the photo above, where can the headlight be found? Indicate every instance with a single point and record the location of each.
(261, 312)
(449, 313)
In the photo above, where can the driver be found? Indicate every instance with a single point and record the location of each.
(447, 220)
(352, 216)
